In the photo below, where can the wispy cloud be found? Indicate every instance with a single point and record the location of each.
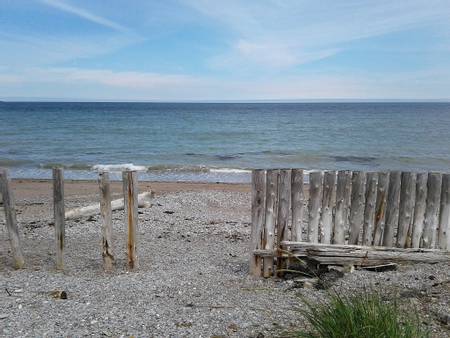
(282, 34)
(85, 14)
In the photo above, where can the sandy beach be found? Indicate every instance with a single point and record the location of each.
(193, 276)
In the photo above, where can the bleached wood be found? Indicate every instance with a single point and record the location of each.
(343, 194)
(297, 201)
(364, 255)
(258, 212)
(144, 201)
(328, 203)
(369, 210)
(130, 193)
(406, 209)
(11, 219)
(444, 216)
(268, 232)
(429, 234)
(380, 208)
(357, 206)
(106, 217)
(392, 208)
(419, 209)
(284, 204)
(315, 203)
(58, 215)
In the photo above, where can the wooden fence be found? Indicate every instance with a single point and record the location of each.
(388, 209)
(130, 192)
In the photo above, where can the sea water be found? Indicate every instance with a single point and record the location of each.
(220, 142)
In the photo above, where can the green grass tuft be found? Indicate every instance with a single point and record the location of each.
(362, 315)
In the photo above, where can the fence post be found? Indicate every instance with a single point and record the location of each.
(284, 204)
(58, 214)
(11, 220)
(130, 193)
(105, 211)
(268, 230)
(258, 208)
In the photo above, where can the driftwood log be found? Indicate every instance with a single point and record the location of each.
(364, 255)
(144, 201)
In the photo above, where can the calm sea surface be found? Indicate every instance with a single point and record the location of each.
(219, 142)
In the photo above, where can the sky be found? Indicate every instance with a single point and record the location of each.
(187, 50)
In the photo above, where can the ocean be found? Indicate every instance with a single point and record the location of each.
(220, 142)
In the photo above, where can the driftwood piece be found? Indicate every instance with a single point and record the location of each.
(106, 216)
(364, 255)
(369, 210)
(380, 208)
(130, 193)
(328, 202)
(144, 201)
(297, 203)
(393, 203)
(432, 210)
(406, 209)
(11, 219)
(284, 201)
(58, 215)
(419, 209)
(315, 203)
(444, 216)
(357, 206)
(268, 231)
(258, 206)
(343, 194)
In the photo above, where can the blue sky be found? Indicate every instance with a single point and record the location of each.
(177, 50)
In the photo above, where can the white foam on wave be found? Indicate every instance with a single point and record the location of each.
(119, 167)
(229, 170)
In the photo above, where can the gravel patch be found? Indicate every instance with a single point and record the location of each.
(192, 281)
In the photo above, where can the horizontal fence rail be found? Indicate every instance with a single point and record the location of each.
(390, 209)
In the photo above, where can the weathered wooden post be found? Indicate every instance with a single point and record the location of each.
(444, 217)
(380, 208)
(258, 207)
(297, 202)
(432, 210)
(419, 209)
(343, 193)
(268, 231)
(11, 220)
(392, 208)
(106, 216)
(328, 203)
(284, 205)
(357, 206)
(58, 214)
(315, 204)
(370, 209)
(406, 209)
(130, 193)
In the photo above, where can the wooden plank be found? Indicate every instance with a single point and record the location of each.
(58, 215)
(392, 208)
(130, 192)
(268, 232)
(258, 212)
(444, 216)
(364, 255)
(315, 203)
(343, 194)
(380, 208)
(432, 210)
(406, 209)
(284, 204)
(328, 203)
(106, 217)
(297, 201)
(369, 210)
(357, 206)
(419, 209)
(11, 219)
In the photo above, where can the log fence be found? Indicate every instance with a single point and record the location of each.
(131, 202)
(399, 213)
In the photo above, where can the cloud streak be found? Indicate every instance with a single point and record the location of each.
(85, 14)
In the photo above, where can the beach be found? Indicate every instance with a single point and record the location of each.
(192, 280)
